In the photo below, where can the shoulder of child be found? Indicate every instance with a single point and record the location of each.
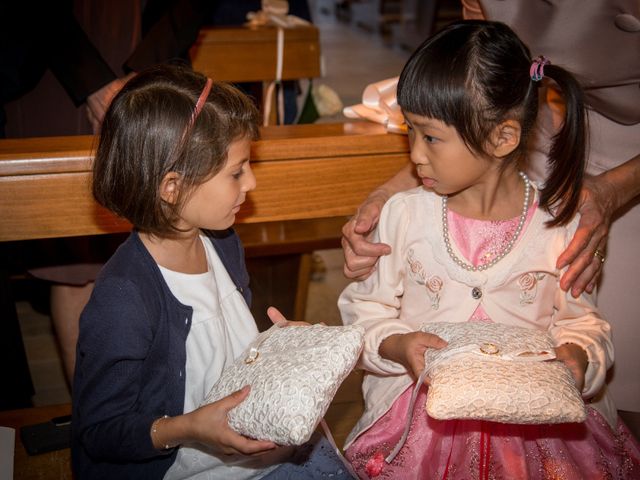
(408, 196)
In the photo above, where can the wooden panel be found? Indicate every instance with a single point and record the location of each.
(242, 54)
(317, 172)
(54, 205)
(327, 187)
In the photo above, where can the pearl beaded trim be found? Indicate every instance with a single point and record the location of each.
(508, 248)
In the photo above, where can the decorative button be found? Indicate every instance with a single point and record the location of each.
(253, 356)
(627, 22)
(476, 293)
(489, 348)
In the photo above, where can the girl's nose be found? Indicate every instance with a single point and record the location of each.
(418, 153)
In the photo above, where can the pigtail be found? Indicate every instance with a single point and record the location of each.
(567, 156)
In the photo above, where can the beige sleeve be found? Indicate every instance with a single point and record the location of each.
(578, 321)
(375, 302)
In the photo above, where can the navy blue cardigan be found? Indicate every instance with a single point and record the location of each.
(130, 362)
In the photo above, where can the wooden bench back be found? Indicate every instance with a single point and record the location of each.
(302, 171)
(242, 54)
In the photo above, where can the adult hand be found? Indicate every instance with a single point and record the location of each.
(209, 425)
(408, 349)
(361, 255)
(597, 205)
(99, 101)
(576, 360)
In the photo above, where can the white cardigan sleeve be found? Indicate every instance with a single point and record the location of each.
(578, 321)
(375, 302)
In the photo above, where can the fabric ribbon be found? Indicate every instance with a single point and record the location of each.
(380, 105)
(274, 13)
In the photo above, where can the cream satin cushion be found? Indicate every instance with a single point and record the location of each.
(501, 373)
(294, 373)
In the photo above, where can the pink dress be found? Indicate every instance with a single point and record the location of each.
(471, 449)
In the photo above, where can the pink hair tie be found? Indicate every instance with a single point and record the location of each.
(201, 100)
(536, 72)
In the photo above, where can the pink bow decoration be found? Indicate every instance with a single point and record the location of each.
(380, 105)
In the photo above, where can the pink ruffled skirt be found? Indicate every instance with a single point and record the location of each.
(471, 449)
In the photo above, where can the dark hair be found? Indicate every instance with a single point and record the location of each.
(147, 133)
(473, 75)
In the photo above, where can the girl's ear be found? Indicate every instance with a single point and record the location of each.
(505, 138)
(170, 187)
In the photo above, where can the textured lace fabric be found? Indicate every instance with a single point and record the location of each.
(500, 373)
(294, 373)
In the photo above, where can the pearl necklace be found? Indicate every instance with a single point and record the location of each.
(501, 255)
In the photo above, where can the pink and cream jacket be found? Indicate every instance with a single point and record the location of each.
(419, 282)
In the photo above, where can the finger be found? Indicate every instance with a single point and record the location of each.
(276, 317)
(433, 341)
(361, 274)
(361, 246)
(578, 244)
(356, 266)
(580, 284)
(244, 446)
(248, 446)
(373, 250)
(296, 323)
(587, 279)
(359, 265)
(583, 268)
(230, 401)
(366, 218)
(417, 366)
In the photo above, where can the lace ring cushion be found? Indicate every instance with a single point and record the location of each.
(294, 373)
(499, 373)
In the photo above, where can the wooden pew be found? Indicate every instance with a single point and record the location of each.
(243, 54)
(303, 172)
(310, 177)
(249, 54)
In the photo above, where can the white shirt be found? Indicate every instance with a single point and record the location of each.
(221, 329)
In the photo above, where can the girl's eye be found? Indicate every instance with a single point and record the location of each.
(430, 139)
(238, 174)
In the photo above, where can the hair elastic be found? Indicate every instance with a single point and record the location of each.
(536, 72)
(201, 100)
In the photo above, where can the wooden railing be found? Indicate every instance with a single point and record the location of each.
(303, 172)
